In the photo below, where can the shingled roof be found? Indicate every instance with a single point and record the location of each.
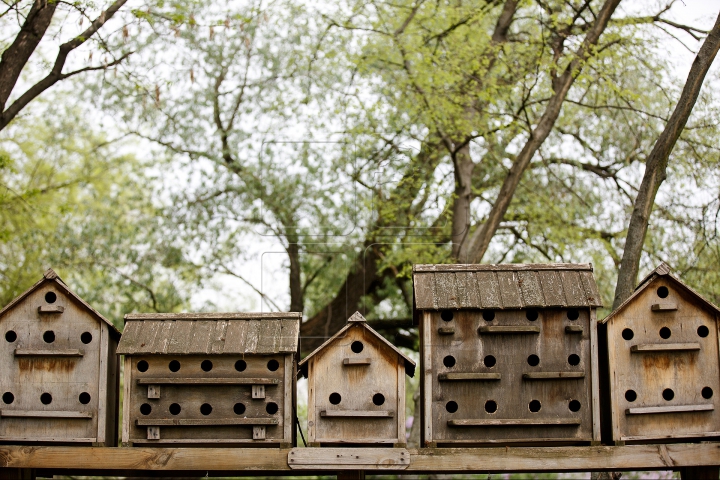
(210, 333)
(512, 286)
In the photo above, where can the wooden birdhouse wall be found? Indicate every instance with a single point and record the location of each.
(356, 392)
(60, 374)
(663, 357)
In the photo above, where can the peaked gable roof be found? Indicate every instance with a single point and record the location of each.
(51, 277)
(662, 270)
(507, 286)
(210, 333)
(356, 319)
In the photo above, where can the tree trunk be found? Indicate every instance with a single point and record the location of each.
(479, 242)
(463, 166)
(296, 290)
(13, 59)
(656, 167)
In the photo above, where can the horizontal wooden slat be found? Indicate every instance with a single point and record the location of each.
(473, 267)
(664, 307)
(344, 458)
(512, 422)
(573, 329)
(37, 352)
(664, 347)
(207, 381)
(213, 316)
(202, 422)
(51, 309)
(446, 331)
(357, 413)
(670, 409)
(441, 460)
(44, 414)
(553, 375)
(458, 377)
(356, 361)
(508, 329)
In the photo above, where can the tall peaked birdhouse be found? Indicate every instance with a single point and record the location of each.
(509, 354)
(664, 369)
(210, 378)
(60, 375)
(356, 388)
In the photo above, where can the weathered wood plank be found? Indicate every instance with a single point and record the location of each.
(509, 290)
(574, 329)
(513, 422)
(357, 413)
(208, 381)
(213, 316)
(203, 422)
(508, 329)
(37, 352)
(450, 377)
(500, 267)
(553, 375)
(664, 347)
(664, 307)
(532, 293)
(345, 458)
(5, 413)
(357, 361)
(670, 409)
(488, 290)
(552, 287)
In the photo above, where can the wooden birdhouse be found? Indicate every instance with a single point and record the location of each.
(509, 354)
(356, 388)
(662, 358)
(210, 378)
(60, 375)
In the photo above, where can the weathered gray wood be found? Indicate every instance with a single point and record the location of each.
(574, 329)
(509, 329)
(552, 287)
(202, 422)
(51, 309)
(532, 294)
(258, 391)
(153, 391)
(213, 316)
(488, 290)
(357, 413)
(664, 307)
(513, 422)
(46, 352)
(343, 458)
(553, 375)
(670, 409)
(472, 267)
(357, 361)
(208, 381)
(153, 433)
(449, 377)
(664, 347)
(44, 414)
(446, 330)
(259, 433)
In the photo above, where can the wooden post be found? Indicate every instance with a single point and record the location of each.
(699, 473)
(17, 474)
(351, 475)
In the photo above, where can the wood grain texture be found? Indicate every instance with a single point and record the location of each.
(670, 409)
(665, 347)
(513, 422)
(344, 458)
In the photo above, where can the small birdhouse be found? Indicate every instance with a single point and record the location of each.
(60, 374)
(509, 354)
(356, 388)
(210, 378)
(662, 358)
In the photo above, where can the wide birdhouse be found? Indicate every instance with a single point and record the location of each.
(60, 374)
(210, 379)
(356, 388)
(508, 354)
(662, 358)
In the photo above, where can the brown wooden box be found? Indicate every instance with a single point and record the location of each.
(356, 388)
(663, 363)
(210, 378)
(508, 354)
(59, 375)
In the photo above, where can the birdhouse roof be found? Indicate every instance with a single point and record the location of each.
(210, 333)
(51, 277)
(511, 286)
(662, 270)
(357, 320)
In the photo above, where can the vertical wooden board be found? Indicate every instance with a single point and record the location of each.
(612, 333)
(146, 334)
(102, 392)
(489, 289)
(311, 402)
(509, 291)
(462, 282)
(181, 337)
(127, 399)
(530, 288)
(252, 337)
(131, 334)
(289, 331)
(163, 336)
(472, 300)
(289, 410)
(113, 390)
(427, 370)
(446, 290)
(200, 335)
(425, 297)
(573, 288)
(594, 371)
(217, 337)
(401, 402)
(235, 335)
(591, 291)
(269, 340)
(552, 288)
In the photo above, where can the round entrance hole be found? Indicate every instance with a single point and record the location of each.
(50, 297)
(668, 394)
(533, 360)
(240, 365)
(707, 393)
(663, 292)
(630, 395)
(175, 409)
(273, 365)
(665, 333)
(451, 406)
(86, 337)
(145, 409)
(46, 398)
(378, 399)
(8, 398)
(491, 406)
(531, 315)
(449, 361)
(10, 336)
(489, 361)
(446, 315)
(239, 408)
(573, 314)
(142, 366)
(534, 406)
(271, 408)
(574, 406)
(206, 365)
(206, 409)
(628, 334)
(702, 331)
(49, 336)
(174, 365)
(335, 398)
(488, 315)
(574, 360)
(357, 346)
(84, 398)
